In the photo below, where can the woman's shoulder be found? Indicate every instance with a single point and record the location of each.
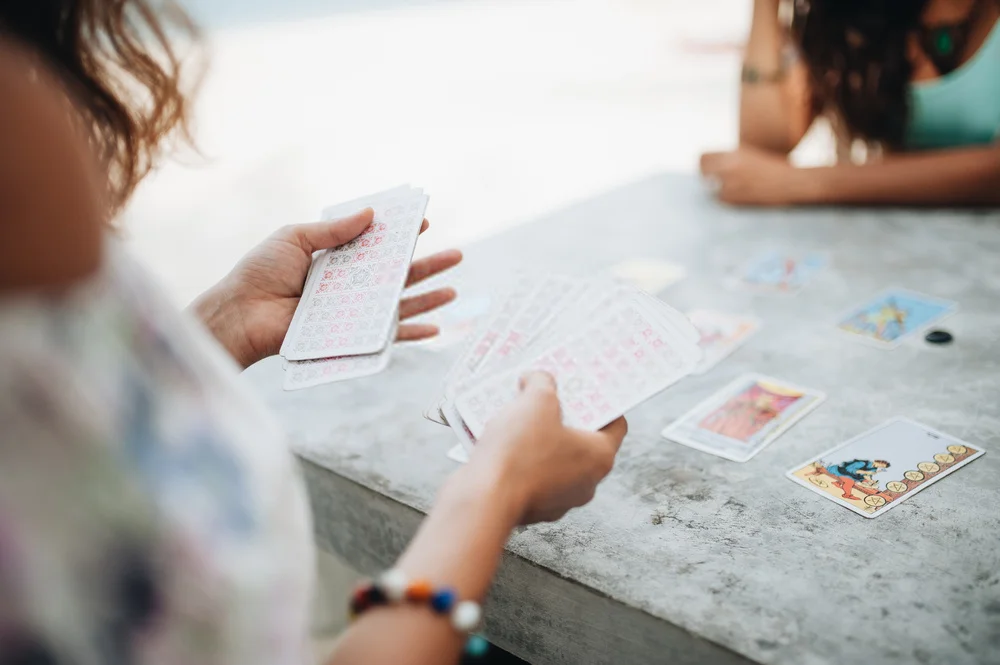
(50, 185)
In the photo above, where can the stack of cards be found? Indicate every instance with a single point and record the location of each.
(608, 345)
(346, 320)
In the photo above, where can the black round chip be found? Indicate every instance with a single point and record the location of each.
(939, 337)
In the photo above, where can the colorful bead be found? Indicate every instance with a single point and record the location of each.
(466, 616)
(376, 596)
(443, 601)
(393, 585)
(360, 600)
(476, 646)
(419, 591)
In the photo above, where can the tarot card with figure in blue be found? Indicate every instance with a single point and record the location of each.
(889, 318)
(781, 272)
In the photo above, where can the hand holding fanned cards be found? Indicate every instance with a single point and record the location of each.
(609, 347)
(885, 466)
(345, 324)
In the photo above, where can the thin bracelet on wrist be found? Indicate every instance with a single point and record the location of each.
(750, 74)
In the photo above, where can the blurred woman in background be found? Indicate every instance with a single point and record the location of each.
(150, 510)
(911, 89)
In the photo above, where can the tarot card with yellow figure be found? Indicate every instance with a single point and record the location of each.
(894, 315)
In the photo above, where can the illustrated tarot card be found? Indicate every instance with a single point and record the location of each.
(781, 272)
(885, 466)
(894, 315)
(721, 334)
(744, 417)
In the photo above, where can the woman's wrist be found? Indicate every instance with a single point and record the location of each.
(460, 542)
(489, 478)
(810, 185)
(218, 311)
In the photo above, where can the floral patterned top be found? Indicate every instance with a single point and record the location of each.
(150, 511)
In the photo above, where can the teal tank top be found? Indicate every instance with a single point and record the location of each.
(961, 108)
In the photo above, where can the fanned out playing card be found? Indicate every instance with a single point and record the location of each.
(608, 345)
(346, 320)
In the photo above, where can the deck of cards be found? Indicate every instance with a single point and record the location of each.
(608, 345)
(345, 323)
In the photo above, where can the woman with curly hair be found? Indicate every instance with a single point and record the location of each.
(150, 510)
(911, 89)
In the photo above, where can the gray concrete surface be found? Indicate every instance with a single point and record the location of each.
(684, 557)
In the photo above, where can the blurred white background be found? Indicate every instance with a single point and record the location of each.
(501, 110)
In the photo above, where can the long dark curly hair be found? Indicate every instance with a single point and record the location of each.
(856, 52)
(118, 62)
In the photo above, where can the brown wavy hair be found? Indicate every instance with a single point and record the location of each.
(856, 53)
(122, 71)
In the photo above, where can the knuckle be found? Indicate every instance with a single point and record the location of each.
(548, 392)
(287, 232)
(604, 462)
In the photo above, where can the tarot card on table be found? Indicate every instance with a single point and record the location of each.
(778, 272)
(894, 315)
(650, 275)
(721, 334)
(885, 466)
(744, 417)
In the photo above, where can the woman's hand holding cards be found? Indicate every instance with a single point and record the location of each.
(250, 310)
(550, 467)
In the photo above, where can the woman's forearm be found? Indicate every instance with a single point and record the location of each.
(968, 176)
(459, 546)
(772, 100)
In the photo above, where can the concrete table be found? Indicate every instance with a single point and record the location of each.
(688, 558)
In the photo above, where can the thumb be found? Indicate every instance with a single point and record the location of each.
(537, 381)
(334, 233)
(709, 161)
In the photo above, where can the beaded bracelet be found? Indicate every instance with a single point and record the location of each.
(392, 588)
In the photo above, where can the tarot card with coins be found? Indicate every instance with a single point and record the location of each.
(878, 470)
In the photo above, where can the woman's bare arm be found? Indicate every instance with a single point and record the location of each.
(774, 109)
(958, 177)
(966, 176)
(527, 467)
